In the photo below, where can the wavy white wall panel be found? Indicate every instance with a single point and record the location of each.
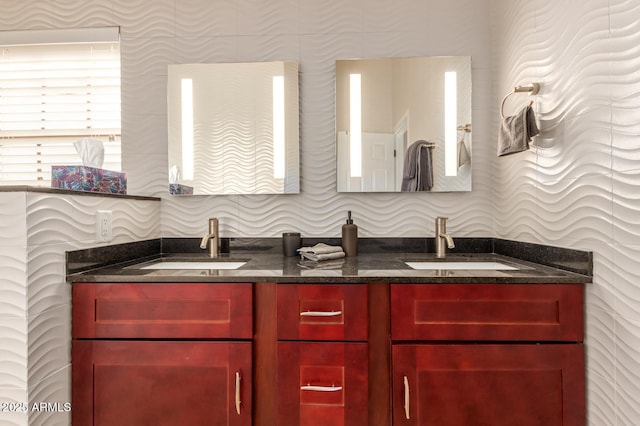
(13, 352)
(35, 231)
(49, 343)
(13, 257)
(52, 219)
(312, 34)
(26, 15)
(13, 395)
(271, 218)
(13, 305)
(54, 389)
(47, 287)
(93, 13)
(626, 204)
(188, 216)
(584, 170)
(625, 36)
(316, 35)
(13, 223)
(198, 19)
(13, 367)
(627, 282)
(141, 18)
(13, 290)
(627, 371)
(600, 358)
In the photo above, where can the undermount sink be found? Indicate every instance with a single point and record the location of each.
(195, 265)
(494, 266)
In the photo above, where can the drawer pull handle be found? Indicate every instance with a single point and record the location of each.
(238, 378)
(320, 314)
(321, 388)
(406, 398)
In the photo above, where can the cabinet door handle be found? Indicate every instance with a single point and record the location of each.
(238, 378)
(321, 388)
(320, 314)
(406, 398)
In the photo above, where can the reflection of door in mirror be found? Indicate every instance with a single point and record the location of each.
(400, 137)
(378, 163)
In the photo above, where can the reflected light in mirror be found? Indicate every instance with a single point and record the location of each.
(450, 123)
(278, 127)
(355, 124)
(187, 128)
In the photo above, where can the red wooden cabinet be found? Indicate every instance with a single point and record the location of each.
(479, 354)
(498, 384)
(487, 312)
(147, 311)
(322, 355)
(162, 354)
(161, 383)
(322, 384)
(322, 312)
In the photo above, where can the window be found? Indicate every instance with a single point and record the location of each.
(57, 86)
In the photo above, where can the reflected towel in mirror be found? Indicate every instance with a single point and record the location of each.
(417, 173)
(463, 154)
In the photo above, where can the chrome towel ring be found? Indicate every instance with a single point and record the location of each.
(532, 89)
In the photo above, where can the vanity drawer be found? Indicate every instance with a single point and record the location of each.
(322, 312)
(322, 384)
(487, 312)
(184, 311)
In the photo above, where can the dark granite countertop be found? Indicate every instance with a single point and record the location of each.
(365, 268)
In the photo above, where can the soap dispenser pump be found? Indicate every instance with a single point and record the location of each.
(350, 237)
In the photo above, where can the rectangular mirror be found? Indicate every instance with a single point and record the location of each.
(403, 124)
(233, 128)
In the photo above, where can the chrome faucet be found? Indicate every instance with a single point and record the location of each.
(441, 235)
(212, 238)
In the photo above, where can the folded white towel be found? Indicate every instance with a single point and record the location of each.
(321, 251)
(327, 264)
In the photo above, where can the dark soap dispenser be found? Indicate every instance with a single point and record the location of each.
(350, 237)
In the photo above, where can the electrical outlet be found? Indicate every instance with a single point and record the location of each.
(104, 230)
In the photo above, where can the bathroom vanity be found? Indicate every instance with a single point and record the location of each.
(348, 346)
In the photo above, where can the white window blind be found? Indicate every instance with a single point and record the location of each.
(52, 93)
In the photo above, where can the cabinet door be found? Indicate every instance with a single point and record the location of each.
(322, 384)
(487, 312)
(134, 383)
(162, 311)
(497, 385)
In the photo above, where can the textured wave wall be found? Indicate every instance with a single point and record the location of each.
(161, 32)
(578, 187)
(315, 36)
(35, 310)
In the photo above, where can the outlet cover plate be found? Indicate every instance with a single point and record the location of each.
(104, 230)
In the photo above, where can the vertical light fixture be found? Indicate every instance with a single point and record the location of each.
(186, 96)
(355, 124)
(278, 127)
(450, 123)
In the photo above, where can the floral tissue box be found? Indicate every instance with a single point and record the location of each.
(179, 189)
(84, 178)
